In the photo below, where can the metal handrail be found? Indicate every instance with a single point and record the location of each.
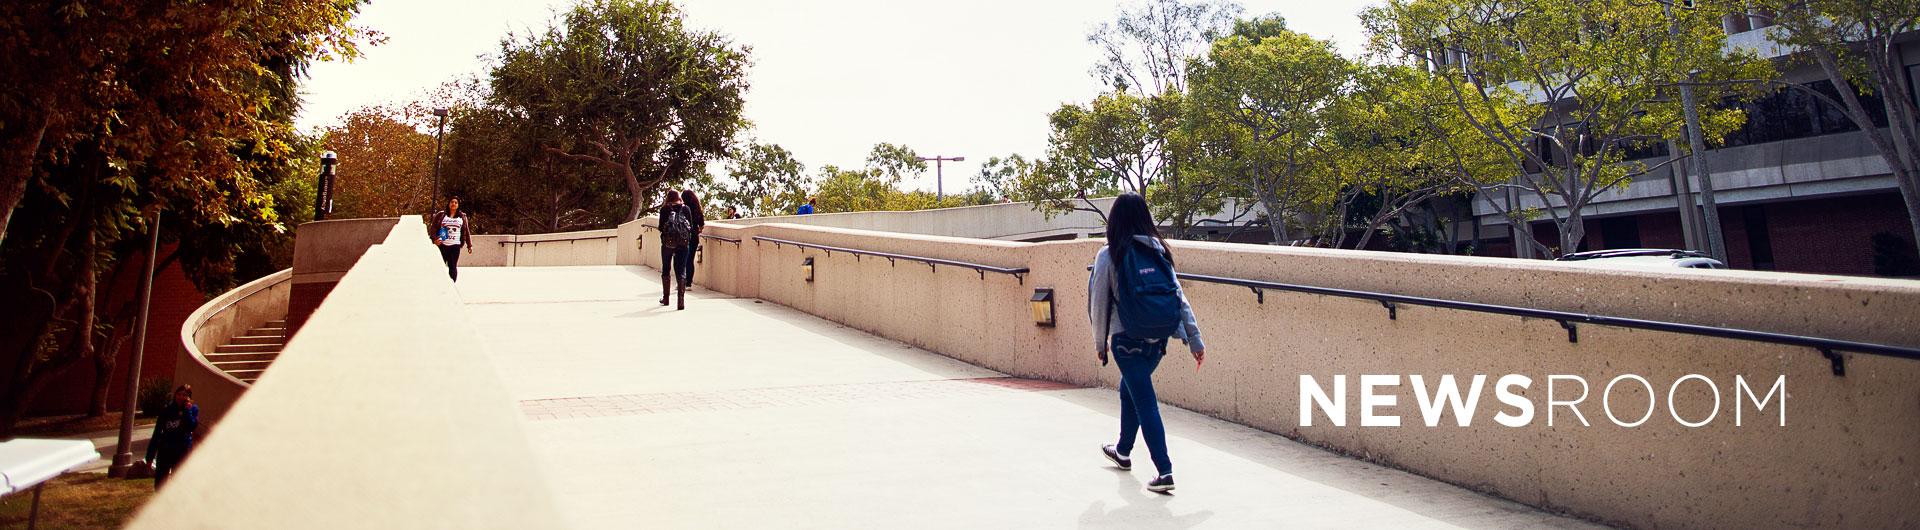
(1570, 321)
(539, 241)
(708, 236)
(1018, 273)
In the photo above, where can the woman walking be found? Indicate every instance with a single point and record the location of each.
(1136, 305)
(699, 219)
(173, 434)
(451, 229)
(676, 233)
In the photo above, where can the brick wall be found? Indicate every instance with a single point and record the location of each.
(174, 298)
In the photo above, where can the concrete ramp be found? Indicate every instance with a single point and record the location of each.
(738, 413)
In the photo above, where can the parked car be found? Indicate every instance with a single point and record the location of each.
(1646, 258)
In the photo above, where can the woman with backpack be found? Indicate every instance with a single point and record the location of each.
(699, 220)
(676, 231)
(1136, 304)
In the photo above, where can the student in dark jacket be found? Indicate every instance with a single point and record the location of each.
(699, 219)
(451, 229)
(673, 258)
(173, 434)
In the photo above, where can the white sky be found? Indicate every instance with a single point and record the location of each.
(830, 79)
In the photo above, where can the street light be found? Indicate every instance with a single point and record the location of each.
(442, 113)
(323, 188)
(938, 192)
(123, 448)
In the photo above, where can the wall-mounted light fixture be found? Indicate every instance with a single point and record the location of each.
(806, 268)
(1042, 304)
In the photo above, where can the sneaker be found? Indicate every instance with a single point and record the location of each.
(1114, 456)
(1162, 484)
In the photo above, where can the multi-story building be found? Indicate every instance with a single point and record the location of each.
(1799, 187)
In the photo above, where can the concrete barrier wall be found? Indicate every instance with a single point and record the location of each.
(384, 413)
(1010, 221)
(244, 308)
(591, 247)
(1844, 458)
(323, 251)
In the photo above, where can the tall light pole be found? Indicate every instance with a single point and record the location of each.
(939, 191)
(442, 113)
(123, 451)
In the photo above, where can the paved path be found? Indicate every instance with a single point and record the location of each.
(741, 414)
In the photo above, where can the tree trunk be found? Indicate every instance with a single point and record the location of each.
(1276, 222)
(17, 156)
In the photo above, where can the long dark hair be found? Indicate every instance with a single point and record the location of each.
(693, 203)
(672, 197)
(1131, 217)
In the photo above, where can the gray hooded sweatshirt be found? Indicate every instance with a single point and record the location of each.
(1104, 285)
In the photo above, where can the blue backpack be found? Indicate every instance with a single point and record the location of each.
(1149, 297)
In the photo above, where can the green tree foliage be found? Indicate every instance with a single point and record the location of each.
(163, 88)
(1259, 119)
(1857, 45)
(876, 186)
(626, 86)
(765, 180)
(114, 111)
(1566, 89)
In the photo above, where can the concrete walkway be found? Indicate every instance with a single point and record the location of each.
(741, 414)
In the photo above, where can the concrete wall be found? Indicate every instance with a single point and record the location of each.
(385, 412)
(590, 247)
(1011, 221)
(323, 251)
(220, 319)
(1843, 460)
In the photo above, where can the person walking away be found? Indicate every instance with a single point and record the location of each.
(173, 434)
(452, 230)
(676, 230)
(806, 209)
(1136, 305)
(699, 218)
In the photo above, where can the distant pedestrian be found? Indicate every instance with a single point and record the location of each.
(676, 233)
(692, 200)
(451, 229)
(733, 212)
(173, 434)
(1136, 304)
(806, 209)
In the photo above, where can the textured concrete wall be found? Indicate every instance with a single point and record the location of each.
(1844, 458)
(233, 312)
(1010, 221)
(590, 247)
(384, 413)
(323, 251)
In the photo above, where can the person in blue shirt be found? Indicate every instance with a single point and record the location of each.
(173, 434)
(807, 208)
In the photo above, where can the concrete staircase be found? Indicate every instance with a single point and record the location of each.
(246, 356)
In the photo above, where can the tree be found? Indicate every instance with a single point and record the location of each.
(386, 162)
(193, 120)
(1389, 156)
(628, 88)
(765, 180)
(1259, 119)
(148, 84)
(1857, 45)
(1566, 89)
(1120, 140)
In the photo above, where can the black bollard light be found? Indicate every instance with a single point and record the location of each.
(323, 189)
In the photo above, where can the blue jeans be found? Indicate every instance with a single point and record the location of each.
(1139, 408)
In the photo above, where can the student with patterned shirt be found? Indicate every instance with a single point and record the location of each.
(451, 229)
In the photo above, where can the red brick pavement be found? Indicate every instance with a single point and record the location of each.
(636, 404)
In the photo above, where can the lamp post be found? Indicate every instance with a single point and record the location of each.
(442, 113)
(323, 188)
(123, 450)
(939, 193)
